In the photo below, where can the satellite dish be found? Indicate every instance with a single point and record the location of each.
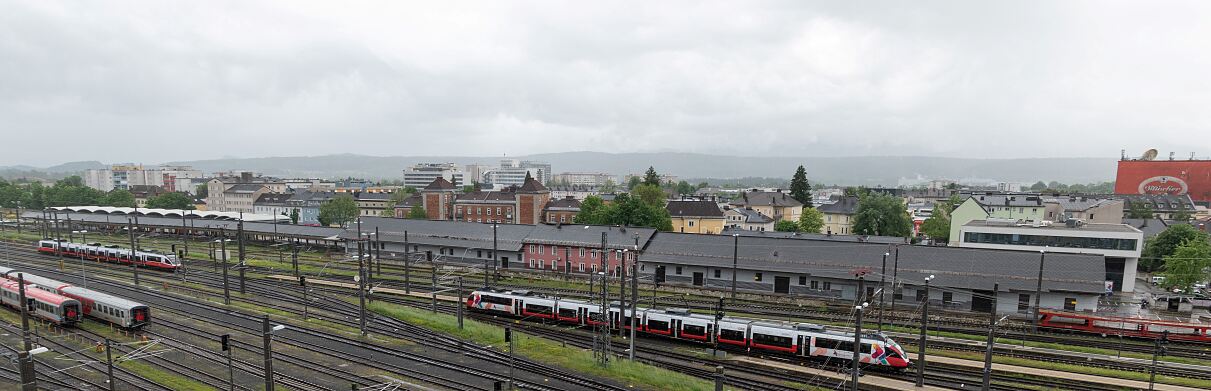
(1150, 154)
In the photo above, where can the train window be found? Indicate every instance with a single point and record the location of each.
(734, 335)
(542, 309)
(693, 330)
(567, 312)
(866, 348)
(772, 340)
(495, 299)
(658, 325)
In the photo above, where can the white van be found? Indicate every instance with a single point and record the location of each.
(1157, 280)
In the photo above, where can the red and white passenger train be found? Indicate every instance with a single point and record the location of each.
(756, 336)
(97, 252)
(77, 301)
(51, 307)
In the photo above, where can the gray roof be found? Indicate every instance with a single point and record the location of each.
(272, 199)
(485, 197)
(1159, 203)
(952, 266)
(845, 205)
(684, 208)
(245, 188)
(1099, 227)
(371, 196)
(752, 216)
(1080, 203)
(566, 204)
(1151, 227)
(411, 200)
(1004, 199)
(590, 235)
(765, 198)
(509, 237)
(817, 236)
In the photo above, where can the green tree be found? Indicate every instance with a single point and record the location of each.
(592, 211)
(294, 216)
(71, 181)
(119, 198)
(469, 189)
(937, 226)
(1037, 186)
(1182, 215)
(417, 212)
(608, 187)
(786, 226)
(339, 211)
(859, 191)
(1163, 245)
(882, 215)
(811, 220)
(172, 200)
(634, 181)
(801, 190)
(202, 191)
(651, 177)
(649, 194)
(684, 187)
(1136, 210)
(1188, 264)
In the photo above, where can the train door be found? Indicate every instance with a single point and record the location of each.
(518, 307)
(801, 341)
(676, 331)
(782, 284)
(697, 278)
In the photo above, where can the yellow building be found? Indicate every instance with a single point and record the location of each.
(697, 217)
(774, 204)
(839, 216)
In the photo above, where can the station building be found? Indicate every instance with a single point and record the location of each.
(1119, 245)
(964, 277)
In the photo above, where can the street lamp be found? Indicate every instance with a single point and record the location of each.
(924, 327)
(268, 337)
(29, 379)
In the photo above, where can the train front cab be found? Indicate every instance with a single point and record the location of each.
(139, 317)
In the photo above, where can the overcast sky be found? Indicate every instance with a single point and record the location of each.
(154, 81)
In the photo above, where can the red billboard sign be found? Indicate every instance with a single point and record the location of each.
(1191, 177)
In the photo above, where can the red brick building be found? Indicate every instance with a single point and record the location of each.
(561, 211)
(532, 197)
(438, 199)
(578, 249)
(486, 207)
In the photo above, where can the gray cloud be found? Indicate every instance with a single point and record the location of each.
(161, 81)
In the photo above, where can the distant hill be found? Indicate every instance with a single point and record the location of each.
(858, 170)
(864, 170)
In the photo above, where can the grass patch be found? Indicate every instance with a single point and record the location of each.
(633, 374)
(172, 381)
(1073, 368)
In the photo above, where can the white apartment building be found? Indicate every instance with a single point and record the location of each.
(582, 178)
(420, 175)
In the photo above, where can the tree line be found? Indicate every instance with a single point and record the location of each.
(71, 191)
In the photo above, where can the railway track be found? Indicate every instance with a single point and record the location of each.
(703, 374)
(165, 301)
